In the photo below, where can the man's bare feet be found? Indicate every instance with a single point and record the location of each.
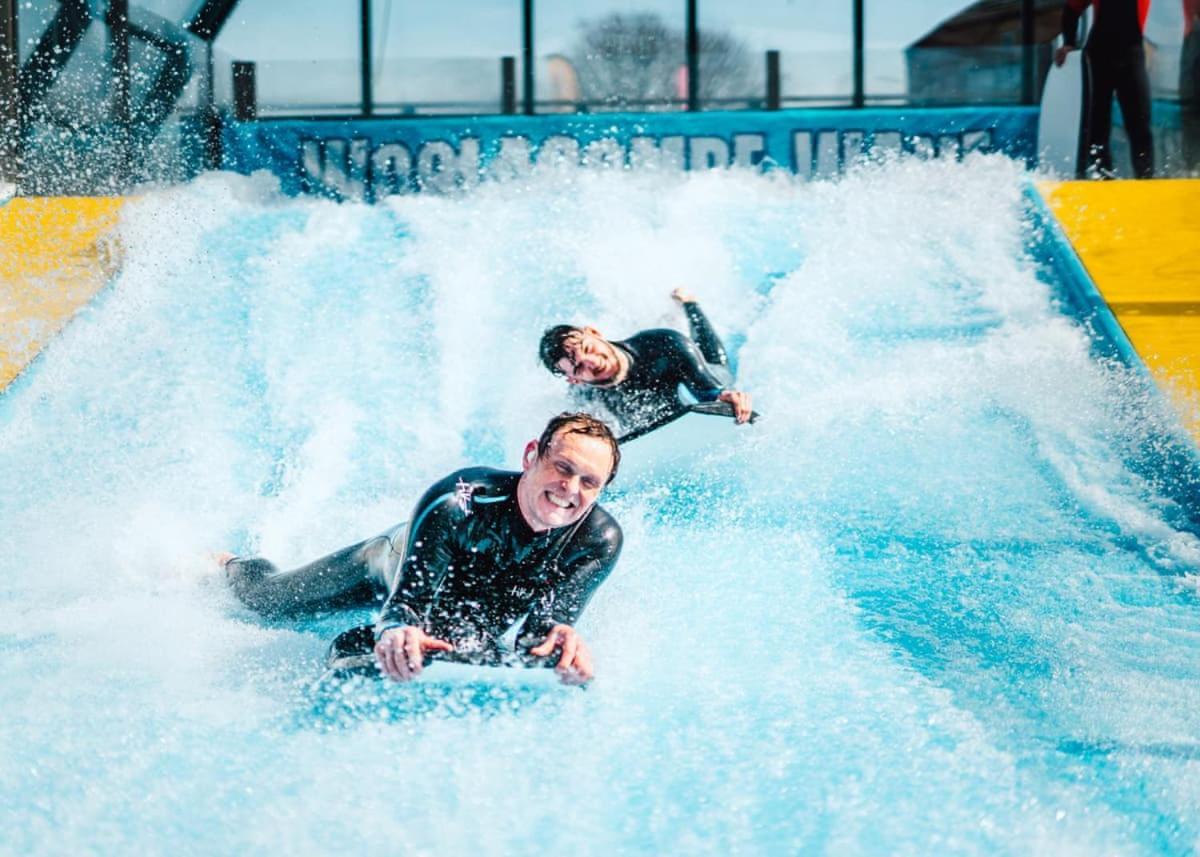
(681, 295)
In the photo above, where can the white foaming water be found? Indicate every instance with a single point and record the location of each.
(924, 606)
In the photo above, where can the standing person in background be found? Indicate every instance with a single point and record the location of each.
(1117, 59)
(1189, 85)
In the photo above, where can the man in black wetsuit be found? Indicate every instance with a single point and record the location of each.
(484, 548)
(1189, 85)
(1117, 60)
(637, 379)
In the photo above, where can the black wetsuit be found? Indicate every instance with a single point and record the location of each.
(466, 568)
(659, 361)
(1117, 60)
(1189, 86)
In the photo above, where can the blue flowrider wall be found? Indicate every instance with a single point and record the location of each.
(369, 159)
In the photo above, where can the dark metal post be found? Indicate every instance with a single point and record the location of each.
(117, 20)
(527, 56)
(1028, 75)
(12, 114)
(245, 94)
(54, 49)
(212, 119)
(693, 57)
(364, 56)
(773, 98)
(859, 93)
(210, 18)
(508, 85)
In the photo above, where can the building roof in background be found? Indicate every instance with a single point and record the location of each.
(993, 22)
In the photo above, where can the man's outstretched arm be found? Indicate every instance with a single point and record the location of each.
(707, 387)
(550, 624)
(401, 640)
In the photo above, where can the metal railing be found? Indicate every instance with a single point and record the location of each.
(184, 58)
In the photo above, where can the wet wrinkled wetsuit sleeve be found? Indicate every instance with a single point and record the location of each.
(694, 371)
(584, 570)
(430, 553)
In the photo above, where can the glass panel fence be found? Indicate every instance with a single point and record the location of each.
(427, 61)
(814, 41)
(307, 53)
(610, 55)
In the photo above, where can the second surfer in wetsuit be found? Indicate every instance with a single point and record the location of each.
(637, 379)
(484, 550)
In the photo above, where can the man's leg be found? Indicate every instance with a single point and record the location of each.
(1133, 94)
(1189, 99)
(356, 576)
(1099, 157)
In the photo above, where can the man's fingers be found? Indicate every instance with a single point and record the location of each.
(547, 645)
(741, 406)
(740, 402)
(583, 662)
(396, 658)
(570, 645)
(413, 657)
(582, 671)
(383, 654)
(401, 653)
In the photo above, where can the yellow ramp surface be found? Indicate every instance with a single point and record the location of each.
(55, 254)
(1140, 242)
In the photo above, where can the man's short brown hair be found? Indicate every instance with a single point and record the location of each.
(585, 424)
(553, 347)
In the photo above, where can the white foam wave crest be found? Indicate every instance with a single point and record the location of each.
(922, 606)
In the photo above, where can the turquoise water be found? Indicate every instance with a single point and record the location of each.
(926, 606)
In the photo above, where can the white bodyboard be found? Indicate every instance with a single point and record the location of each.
(1061, 120)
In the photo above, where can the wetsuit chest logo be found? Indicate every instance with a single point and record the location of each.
(462, 496)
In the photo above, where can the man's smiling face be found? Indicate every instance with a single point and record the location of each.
(591, 359)
(559, 486)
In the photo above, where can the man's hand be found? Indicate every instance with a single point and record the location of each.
(575, 665)
(401, 651)
(1060, 55)
(740, 402)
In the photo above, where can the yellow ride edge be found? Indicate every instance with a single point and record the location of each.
(56, 253)
(1139, 242)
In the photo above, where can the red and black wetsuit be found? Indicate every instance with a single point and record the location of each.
(1189, 84)
(466, 568)
(1117, 60)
